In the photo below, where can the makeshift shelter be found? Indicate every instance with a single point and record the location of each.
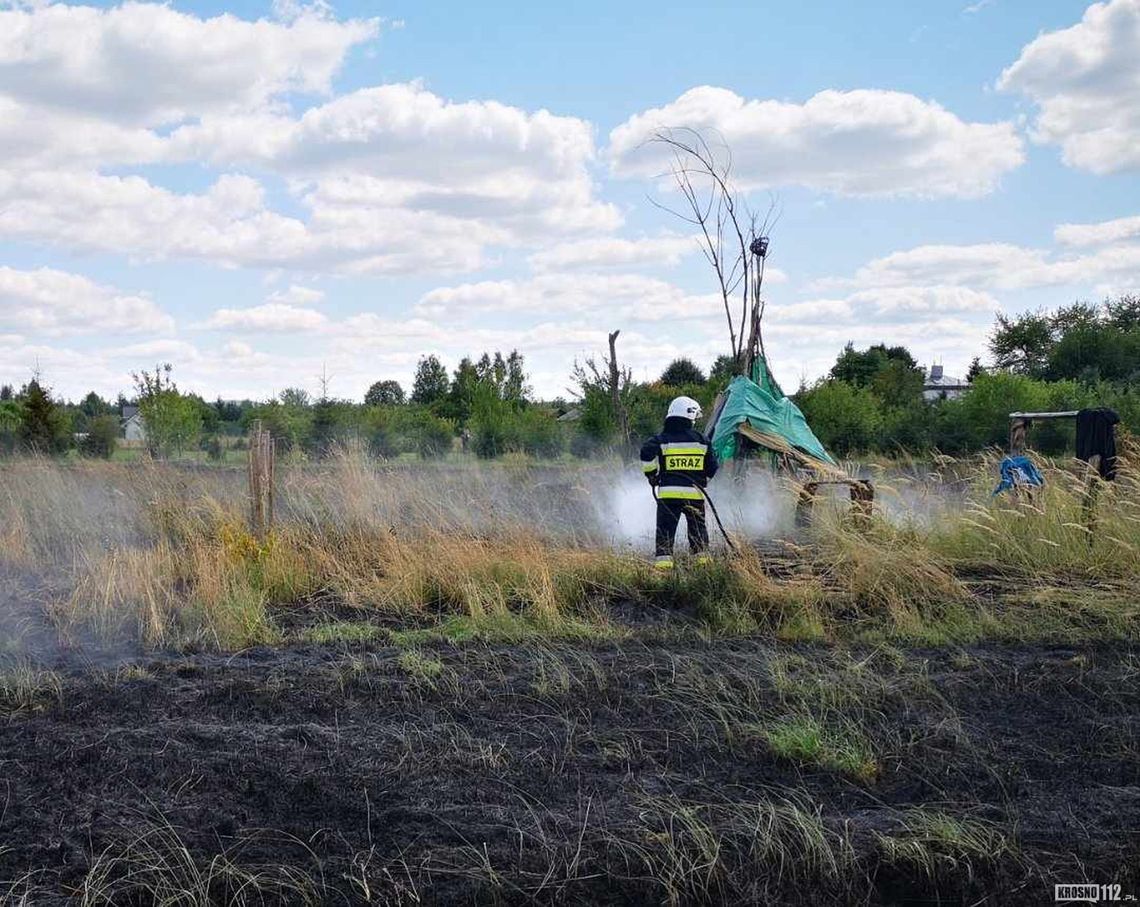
(758, 412)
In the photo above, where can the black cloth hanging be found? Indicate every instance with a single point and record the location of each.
(1096, 434)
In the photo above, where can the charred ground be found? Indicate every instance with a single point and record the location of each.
(411, 768)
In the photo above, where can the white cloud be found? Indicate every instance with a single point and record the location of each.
(1085, 81)
(50, 302)
(865, 142)
(237, 350)
(1100, 234)
(269, 317)
(400, 146)
(888, 305)
(612, 251)
(148, 64)
(936, 323)
(621, 296)
(156, 350)
(296, 295)
(1005, 266)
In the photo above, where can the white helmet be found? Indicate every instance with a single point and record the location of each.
(685, 407)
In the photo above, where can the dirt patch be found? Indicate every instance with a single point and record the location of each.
(636, 773)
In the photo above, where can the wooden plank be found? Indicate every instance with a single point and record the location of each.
(1036, 416)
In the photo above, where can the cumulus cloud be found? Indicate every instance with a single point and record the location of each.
(146, 64)
(999, 266)
(269, 317)
(613, 251)
(1085, 81)
(387, 179)
(1099, 234)
(401, 146)
(863, 143)
(622, 296)
(296, 295)
(943, 323)
(50, 302)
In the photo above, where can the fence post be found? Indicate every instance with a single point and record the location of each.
(262, 469)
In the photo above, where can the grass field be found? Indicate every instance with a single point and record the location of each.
(431, 685)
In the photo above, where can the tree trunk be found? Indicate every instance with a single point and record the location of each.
(615, 395)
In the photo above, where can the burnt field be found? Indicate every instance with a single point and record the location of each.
(470, 686)
(662, 769)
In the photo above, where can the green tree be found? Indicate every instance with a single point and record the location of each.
(172, 420)
(859, 367)
(976, 368)
(846, 419)
(430, 384)
(681, 372)
(1123, 313)
(898, 383)
(101, 437)
(385, 393)
(723, 370)
(43, 428)
(9, 425)
(1022, 344)
(461, 394)
(93, 405)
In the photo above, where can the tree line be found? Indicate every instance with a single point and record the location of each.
(870, 401)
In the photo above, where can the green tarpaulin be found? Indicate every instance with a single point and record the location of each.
(763, 406)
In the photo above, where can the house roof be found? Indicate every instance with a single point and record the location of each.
(937, 379)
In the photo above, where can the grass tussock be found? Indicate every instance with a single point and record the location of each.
(27, 687)
(157, 867)
(834, 745)
(936, 842)
(698, 853)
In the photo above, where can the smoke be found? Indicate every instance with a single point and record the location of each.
(752, 506)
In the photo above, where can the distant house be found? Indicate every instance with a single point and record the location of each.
(940, 386)
(133, 428)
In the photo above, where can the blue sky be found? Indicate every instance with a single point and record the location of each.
(260, 192)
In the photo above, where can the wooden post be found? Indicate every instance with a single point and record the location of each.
(805, 502)
(1092, 492)
(1017, 430)
(262, 473)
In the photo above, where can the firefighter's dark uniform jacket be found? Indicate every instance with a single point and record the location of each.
(679, 461)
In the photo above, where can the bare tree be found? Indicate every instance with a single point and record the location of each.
(607, 378)
(616, 388)
(733, 238)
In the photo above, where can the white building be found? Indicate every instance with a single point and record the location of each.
(940, 386)
(133, 428)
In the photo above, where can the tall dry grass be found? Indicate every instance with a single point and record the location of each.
(162, 555)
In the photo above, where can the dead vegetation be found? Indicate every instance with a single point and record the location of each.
(435, 694)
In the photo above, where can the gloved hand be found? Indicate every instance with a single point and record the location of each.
(652, 481)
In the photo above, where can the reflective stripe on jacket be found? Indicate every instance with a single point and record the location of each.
(679, 461)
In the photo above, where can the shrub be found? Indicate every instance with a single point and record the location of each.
(102, 437)
(846, 419)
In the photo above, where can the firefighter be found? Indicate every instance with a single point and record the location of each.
(678, 463)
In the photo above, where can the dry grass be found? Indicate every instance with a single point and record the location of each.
(161, 554)
(28, 687)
